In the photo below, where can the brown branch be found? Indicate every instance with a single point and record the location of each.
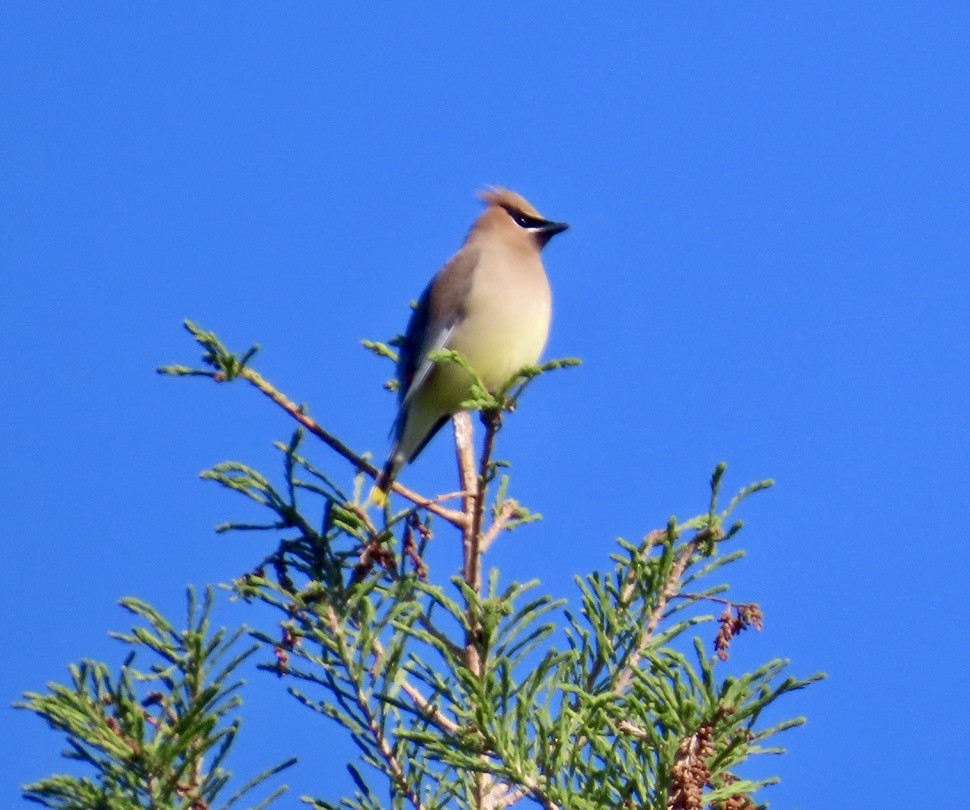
(626, 595)
(506, 512)
(633, 730)
(528, 789)
(396, 772)
(453, 516)
(432, 712)
(492, 421)
(471, 554)
(473, 503)
(475, 489)
(649, 541)
(490, 794)
(465, 451)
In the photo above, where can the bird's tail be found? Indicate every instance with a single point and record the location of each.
(378, 494)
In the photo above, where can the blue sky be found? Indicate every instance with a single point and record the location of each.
(768, 265)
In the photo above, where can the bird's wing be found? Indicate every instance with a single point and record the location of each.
(440, 309)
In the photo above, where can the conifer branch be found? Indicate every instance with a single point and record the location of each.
(225, 367)
(154, 737)
(670, 589)
(383, 745)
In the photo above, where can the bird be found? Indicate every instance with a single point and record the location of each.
(492, 303)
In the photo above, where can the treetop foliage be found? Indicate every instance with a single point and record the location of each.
(459, 689)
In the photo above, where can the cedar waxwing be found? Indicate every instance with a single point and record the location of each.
(491, 302)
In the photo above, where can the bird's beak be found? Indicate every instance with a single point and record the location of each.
(550, 229)
(547, 230)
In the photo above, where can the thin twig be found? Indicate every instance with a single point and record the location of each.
(396, 772)
(680, 565)
(700, 597)
(492, 421)
(506, 512)
(649, 541)
(453, 516)
(633, 730)
(528, 789)
(432, 712)
(439, 636)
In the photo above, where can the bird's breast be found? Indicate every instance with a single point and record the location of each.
(506, 317)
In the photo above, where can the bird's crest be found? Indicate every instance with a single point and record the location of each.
(502, 197)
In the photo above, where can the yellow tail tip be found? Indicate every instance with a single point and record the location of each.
(378, 496)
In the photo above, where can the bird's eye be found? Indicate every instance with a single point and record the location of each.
(524, 220)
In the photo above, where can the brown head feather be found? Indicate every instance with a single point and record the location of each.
(502, 197)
